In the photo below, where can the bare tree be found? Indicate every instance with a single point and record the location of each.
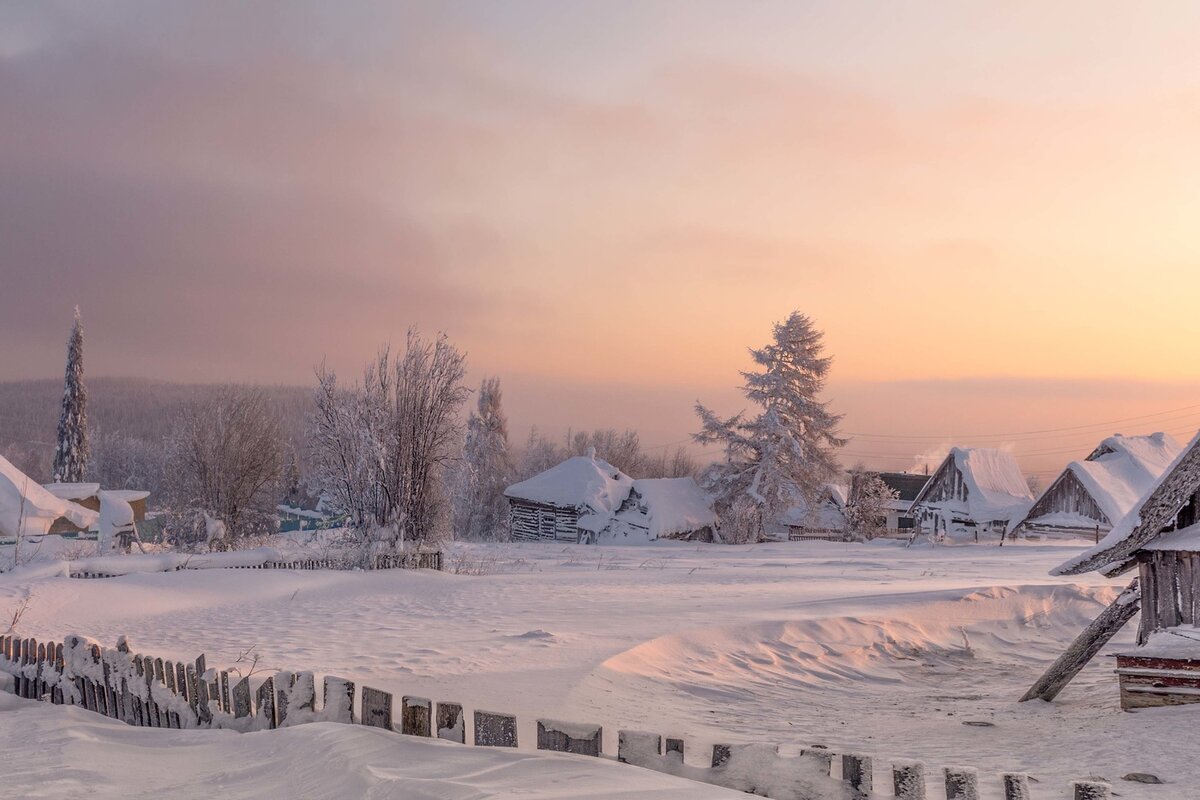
(381, 447)
(223, 466)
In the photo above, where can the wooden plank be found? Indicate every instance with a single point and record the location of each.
(451, 724)
(338, 699)
(266, 702)
(908, 781)
(416, 716)
(1091, 790)
(962, 783)
(1187, 589)
(1016, 786)
(1168, 581)
(495, 730)
(241, 699)
(1086, 645)
(376, 708)
(584, 740)
(859, 773)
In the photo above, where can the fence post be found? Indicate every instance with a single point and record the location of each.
(495, 730)
(450, 723)
(338, 703)
(962, 783)
(908, 781)
(584, 740)
(1092, 790)
(634, 746)
(858, 771)
(822, 755)
(241, 698)
(416, 716)
(721, 755)
(266, 702)
(673, 746)
(376, 708)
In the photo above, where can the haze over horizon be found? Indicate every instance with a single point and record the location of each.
(990, 211)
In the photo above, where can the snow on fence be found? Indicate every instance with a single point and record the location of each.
(259, 558)
(153, 692)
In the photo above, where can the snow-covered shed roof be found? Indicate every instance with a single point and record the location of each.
(1146, 519)
(996, 487)
(829, 515)
(1120, 471)
(674, 506)
(27, 507)
(72, 491)
(579, 482)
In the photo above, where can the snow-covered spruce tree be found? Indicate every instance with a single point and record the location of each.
(71, 450)
(479, 508)
(868, 504)
(783, 456)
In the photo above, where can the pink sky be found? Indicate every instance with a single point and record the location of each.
(990, 210)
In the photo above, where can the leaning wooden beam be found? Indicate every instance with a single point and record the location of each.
(1087, 644)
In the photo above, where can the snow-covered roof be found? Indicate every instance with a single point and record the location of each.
(675, 505)
(26, 507)
(72, 491)
(1133, 532)
(829, 515)
(579, 482)
(996, 487)
(128, 495)
(1121, 470)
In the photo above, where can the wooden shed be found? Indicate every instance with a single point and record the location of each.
(1093, 495)
(88, 496)
(1160, 538)
(572, 501)
(974, 491)
(662, 508)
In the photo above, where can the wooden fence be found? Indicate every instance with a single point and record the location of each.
(153, 692)
(415, 560)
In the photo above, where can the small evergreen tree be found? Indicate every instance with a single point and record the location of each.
(480, 510)
(72, 449)
(782, 457)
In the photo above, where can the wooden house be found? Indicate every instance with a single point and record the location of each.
(662, 508)
(1160, 538)
(906, 485)
(88, 496)
(975, 491)
(28, 509)
(572, 501)
(1093, 495)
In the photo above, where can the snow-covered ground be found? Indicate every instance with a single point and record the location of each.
(872, 648)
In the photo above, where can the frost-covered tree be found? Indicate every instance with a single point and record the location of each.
(486, 469)
(225, 458)
(71, 450)
(380, 448)
(868, 504)
(783, 456)
(538, 455)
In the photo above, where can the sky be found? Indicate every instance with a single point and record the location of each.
(990, 209)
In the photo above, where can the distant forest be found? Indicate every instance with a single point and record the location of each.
(129, 421)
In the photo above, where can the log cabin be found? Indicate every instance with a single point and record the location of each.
(1160, 539)
(974, 491)
(1093, 495)
(572, 501)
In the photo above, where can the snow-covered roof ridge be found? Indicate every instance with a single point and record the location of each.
(582, 482)
(1146, 518)
(1123, 468)
(72, 491)
(994, 480)
(26, 507)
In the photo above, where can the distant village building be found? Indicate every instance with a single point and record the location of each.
(974, 491)
(1160, 538)
(26, 508)
(906, 485)
(585, 499)
(1093, 495)
(88, 496)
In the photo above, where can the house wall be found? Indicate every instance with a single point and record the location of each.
(1068, 496)
(533, 522)
(1170, 583)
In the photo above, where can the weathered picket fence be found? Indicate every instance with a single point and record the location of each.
(414, 560)
(153, 692)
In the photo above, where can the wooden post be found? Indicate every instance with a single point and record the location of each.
(266, 702)
(1092, 790)
(1016, 786)
(721, 755)
(495, 730)
(451, 725)
(376, 708)
(225, 693)
(908, 781)
(584, 740)
(673, 746)
(338, 700)
(1086, 645)
(962, 783)
(241, 698)
(416, 716)
(859, 772)
(633, 745)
